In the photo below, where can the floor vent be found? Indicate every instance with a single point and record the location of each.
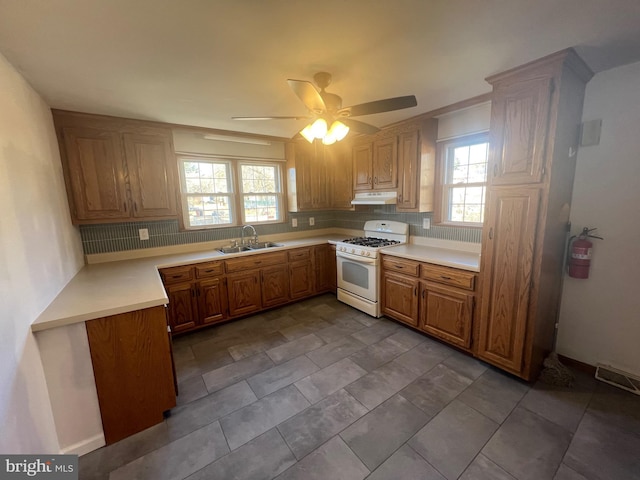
(618, 378)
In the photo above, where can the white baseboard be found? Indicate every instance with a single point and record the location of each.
(85, 446)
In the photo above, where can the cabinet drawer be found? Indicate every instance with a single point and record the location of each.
(299, 254)
(209, 269)
(394, 264)
(255, 261)
(448, 276)
(176, 274)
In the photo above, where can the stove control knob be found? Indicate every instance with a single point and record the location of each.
(353, 250)
(368, 254)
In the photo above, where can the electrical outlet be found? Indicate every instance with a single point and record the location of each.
(144, 233)
(426, 223)
(294, 222)
(312, 221)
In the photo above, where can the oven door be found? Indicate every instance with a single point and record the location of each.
(358, 275)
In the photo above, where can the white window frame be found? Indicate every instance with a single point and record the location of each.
(446, 166)
(235, 195)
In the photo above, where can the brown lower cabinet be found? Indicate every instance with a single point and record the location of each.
(131, 358)
(437, 300)
(211, 292)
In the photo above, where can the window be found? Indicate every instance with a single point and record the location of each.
(463, 174)
(214, 191)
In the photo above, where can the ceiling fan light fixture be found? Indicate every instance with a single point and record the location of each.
(319, 128)
(329, 139)
(338, 130)
(307, 133)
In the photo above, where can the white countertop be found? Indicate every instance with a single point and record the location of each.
(448, 254)
(103, 289)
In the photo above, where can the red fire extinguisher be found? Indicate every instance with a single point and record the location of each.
(580, 254)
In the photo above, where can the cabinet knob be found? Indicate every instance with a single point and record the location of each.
(491, 233)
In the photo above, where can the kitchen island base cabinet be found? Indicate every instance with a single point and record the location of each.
(132, 365)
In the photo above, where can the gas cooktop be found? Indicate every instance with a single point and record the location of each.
(372, 242)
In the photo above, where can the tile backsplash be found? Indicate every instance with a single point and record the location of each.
(116, 237)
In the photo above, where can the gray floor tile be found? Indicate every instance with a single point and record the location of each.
(191, 389)
(381, 384)
(465, 365)
(383, 430)
(262, 458)
(281, 375)
(435, 389)
(495, 394)
(178, 459)
(333, 460)
(255, 419)
(312, 427)
(230, 374)
(484, 469)
(334, 351)
(405, 464)
(303, 329)
(378, 354)
(184, 420)
(562, 405)
(407, 338)
(566, 473)
(528, 446)
(376, 333)
(616, 407)
(423, 357)
(294, 348)
(452, 439)
(601, 449)
(337, 332)
(257, 345)
(330, 379)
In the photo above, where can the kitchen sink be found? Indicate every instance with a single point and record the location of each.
(259, 245)
(236, 249)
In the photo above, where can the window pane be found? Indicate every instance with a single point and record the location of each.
(478, 153)
(478, 173)
(206, 177)
(191, 169)
(261, 208)
(208, 210)
(258, 178)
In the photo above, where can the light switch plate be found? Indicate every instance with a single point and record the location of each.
(294, 222)
(144, 233)
(312, 221)
(426, 223)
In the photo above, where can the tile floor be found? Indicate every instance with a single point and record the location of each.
(317, 390)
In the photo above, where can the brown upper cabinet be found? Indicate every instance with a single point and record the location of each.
(535, 118)
(116, 170)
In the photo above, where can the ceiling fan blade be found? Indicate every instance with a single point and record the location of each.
(358, 126)
(271, 118)
(379, 106)
(308, 94)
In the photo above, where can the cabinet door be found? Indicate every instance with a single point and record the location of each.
(446, 313)
(507, 265)
(212, 299)
(183, 308)
(362, 167)
(400, 297)
(275, 285)
(244, 292)
(152, 175)
(408, 170)
(341, 176)
(324, 259)
(300, 279)
(96, 173)
(385, 164)
(519, 122)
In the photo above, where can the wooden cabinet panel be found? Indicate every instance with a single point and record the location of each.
(275, 285)
(449, 276)
(95, 173)
(400, 297)
(324, 260)
(244, 293)
(408, 170)
(300, 279)
(131, 360)
(519, 123)
(299, 254)
(152, 175)
(401, 265)
(446, 313)
(181, 274)
(183, 308)
(385, 163)
(508, 257)
(212, 300)
(255, 261)
(340, 167)
(311, 182)
(209, 269)
(363, 167)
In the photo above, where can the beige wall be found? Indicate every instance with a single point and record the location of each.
(40, 251)
(600, 316)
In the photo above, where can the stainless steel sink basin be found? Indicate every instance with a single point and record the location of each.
(259, 245)
(238, 249)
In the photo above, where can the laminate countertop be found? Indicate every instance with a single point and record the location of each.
(104, 289)
(438, 255)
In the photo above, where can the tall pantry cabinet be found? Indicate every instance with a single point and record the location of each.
(535, 118)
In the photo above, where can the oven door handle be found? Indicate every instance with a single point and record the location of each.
(357, 258)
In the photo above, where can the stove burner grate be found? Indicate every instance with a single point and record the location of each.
(370, 242)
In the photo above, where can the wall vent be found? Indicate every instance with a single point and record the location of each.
(618, 378)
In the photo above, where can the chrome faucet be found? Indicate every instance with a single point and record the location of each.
(255, 235)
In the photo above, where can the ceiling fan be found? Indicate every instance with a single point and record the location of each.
(331, 121)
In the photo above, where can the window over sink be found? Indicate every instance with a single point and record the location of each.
(218, 192)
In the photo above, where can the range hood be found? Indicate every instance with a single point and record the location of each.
(375, 198)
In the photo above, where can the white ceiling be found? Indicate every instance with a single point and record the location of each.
(200, 62)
